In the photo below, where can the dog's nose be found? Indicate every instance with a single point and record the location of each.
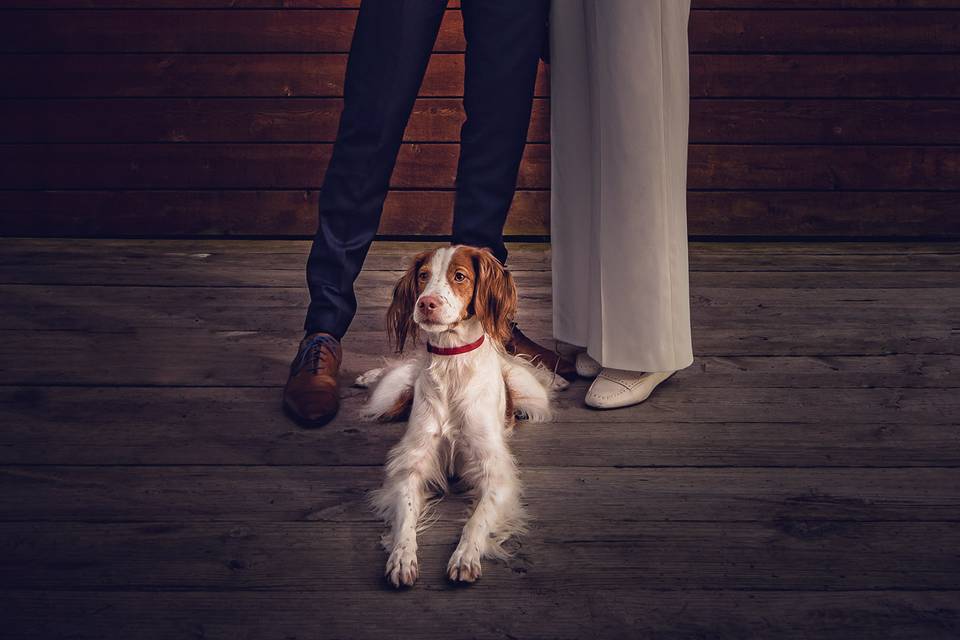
(428, 303)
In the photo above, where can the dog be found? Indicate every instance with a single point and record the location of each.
(461, 396)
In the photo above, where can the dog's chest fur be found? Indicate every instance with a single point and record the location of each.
(459, 388)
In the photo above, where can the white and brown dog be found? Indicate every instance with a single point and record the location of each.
(462, 394)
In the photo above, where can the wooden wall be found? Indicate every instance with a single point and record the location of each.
(182, 117)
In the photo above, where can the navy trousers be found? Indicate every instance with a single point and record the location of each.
(388, 57)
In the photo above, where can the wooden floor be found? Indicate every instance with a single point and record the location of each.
(800, 480)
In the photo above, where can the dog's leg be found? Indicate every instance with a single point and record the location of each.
(498, 513)
(529, 387)
(369, 378)
(414, 465)
(393, 393)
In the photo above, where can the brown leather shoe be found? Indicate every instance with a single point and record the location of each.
(522, 345)
(312, 393)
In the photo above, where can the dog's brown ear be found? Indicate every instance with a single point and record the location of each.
(494, 296)
(400, 324)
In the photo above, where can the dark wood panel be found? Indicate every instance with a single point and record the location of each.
(70, 308)
(235, 213)
(347, 557)
(330, 31)
(825, 121)
(353, 4)
(119, 494)
(805, 213)
(36, 432)
(796, 121)
(824, 31)
(713, 213)
(225, 120)
(321, 75)
(666, 615)
(855, 75)
(201, 31)
(91, 75)
(429, 166)
(225, 262)
(751, 4)
(226, 166)
(262, 357)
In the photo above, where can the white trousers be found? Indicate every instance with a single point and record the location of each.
(620, 111)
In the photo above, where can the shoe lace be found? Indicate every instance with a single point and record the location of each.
(313, 354)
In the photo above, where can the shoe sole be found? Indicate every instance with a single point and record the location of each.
(635, 402)
(306, 423)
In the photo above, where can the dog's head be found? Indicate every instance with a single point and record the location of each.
(446, 287)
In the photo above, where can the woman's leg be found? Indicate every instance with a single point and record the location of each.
(640, 331)
(571, 206)
(640, 74)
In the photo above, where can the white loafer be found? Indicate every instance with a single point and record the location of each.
(615, 388)
(587, 367)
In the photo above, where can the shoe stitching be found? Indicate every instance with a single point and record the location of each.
(314, 352)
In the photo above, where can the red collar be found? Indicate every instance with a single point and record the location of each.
(455, 351)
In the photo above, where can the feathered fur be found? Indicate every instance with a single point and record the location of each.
(459, 422)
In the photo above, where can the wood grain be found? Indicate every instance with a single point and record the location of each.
(547, 613)
(193, 120)
(294, 213)
(346, 557)
(306, 31)
(37, 434)
(353, 4)
(433, 166)
(146, 468)
(321, 75)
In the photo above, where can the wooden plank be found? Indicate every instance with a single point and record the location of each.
(294, 213)
(771, 4)
(809, 31)
(244, 357)
(583, 501)
(281, 263)
(433, 166)
(612, 555)
(830, 121)
(292, 30)
(122, 309)
(827, 213)
(321, 75)
(227, 166)
(195, 31)
(226, 120)
(246, 75)
(847, 76)
(232, 212)
(932, 122)
(68, 426)
(547, 613)
(251, 357)
(697, 5)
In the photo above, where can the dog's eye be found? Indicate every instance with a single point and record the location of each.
(423, 275)
(459, 276)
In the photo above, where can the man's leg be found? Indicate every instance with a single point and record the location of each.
(504, 42)
(388, 57)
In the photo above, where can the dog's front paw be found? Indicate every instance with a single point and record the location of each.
(464, 565)
(368, 379)
(402, 569)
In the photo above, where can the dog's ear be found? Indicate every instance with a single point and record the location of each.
(400, 324)
(494, 296)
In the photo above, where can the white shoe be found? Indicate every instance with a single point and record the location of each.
(587, 367)
(615, 388)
